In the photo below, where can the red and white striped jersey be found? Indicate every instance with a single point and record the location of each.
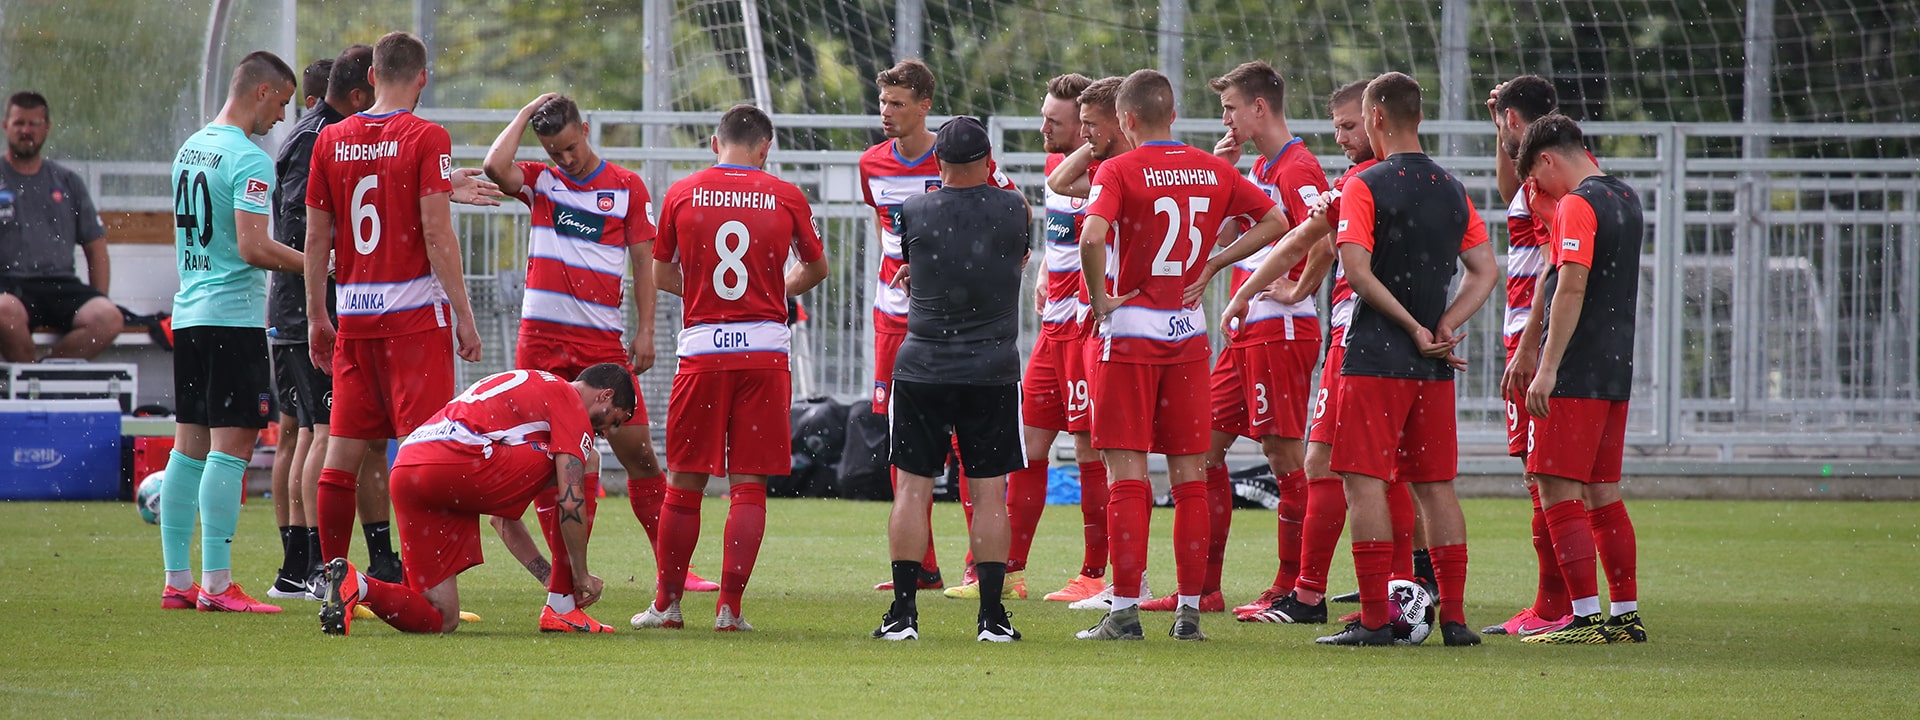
(1066, 304)
(1293, 180)
(578, 256)
(1342, 298)
(369, 172)
(731, 229)
(886, 180)
(1529, 244)
(510, 408)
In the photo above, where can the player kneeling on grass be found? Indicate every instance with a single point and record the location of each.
(491, 451)
(725, 236)
(1578, 396)
(957, 375)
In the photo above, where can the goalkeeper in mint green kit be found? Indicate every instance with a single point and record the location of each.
(222, 196)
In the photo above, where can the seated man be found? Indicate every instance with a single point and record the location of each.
(45, 210)
(491, 451)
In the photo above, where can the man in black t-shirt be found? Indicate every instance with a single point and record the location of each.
(1404, 224)
(1579, 394)
(45, 211)
(957, 375)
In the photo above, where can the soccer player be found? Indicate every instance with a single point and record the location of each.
(1053, 390)
(1259, 385)
(1071, 178)
(397, 264)
(1405, 224)
(1514, 105)
(510, 437)
(1161, 203)
(725, 236)
(890, 172)
(222, 378)
(590, 228)
(1578, 395)
(956, 380)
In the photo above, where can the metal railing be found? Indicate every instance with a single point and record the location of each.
(1780, 297)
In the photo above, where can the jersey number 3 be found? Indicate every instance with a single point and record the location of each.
(1163, 264)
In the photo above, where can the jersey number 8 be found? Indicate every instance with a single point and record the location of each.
(730, 276)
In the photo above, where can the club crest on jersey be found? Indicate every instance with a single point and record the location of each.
(605, 201)
(266, 405)
(61, 195)
(1076, 203)
(933, 185)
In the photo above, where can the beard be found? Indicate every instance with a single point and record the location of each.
(23, 149)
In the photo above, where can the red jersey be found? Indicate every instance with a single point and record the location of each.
(1528, 246)
(1342, 297)
(369, 172)
(1293, 179)
(731, 228)
(1166, 201)
(886, 180)
(577, 257)
(1066, 291)
(510, 408)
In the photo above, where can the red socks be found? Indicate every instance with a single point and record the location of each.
(1614, 542)
(679, 532)
(401, 607)
(1192, 536)
(1293, 515)
(1219, 519)
(645, 495)
(1320, 532)
(1573, 547)
(1550, 599)
(1093, 518)
(1372, 563)
(1026, 499)
(1127, 524)
(746, 525)
(1400, 508)
(546, 508)
(335, 498)
(1450, 570)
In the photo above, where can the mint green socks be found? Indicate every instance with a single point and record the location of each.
(220, 489)
(179, 507)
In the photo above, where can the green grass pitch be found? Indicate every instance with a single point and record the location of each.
(1755, 609)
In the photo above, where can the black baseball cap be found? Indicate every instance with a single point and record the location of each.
(962, 140)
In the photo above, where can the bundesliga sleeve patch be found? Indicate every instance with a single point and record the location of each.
(1308, 194)
(1093, 194)
(256, 191)
(1343, 226)
(446, 167)
(1570, 244)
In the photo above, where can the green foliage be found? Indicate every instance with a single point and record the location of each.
(1755, 610)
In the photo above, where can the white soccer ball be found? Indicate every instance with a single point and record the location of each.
(1412, 609)
(147, 497)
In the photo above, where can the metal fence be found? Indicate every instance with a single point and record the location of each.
(1780, 297)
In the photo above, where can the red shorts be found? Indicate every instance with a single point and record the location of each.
(1517, 419)
(1053, 395)
(1150, 408)
(730, 421)
(886, 346)
(437, 508)
(1326, 406)
(567, 359)
(1271, 379)
(385, 387)
(1579, 439)
(1395, 429)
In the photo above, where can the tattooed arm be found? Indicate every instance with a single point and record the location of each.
(520, 542)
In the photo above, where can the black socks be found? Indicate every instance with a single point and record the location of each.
(906, 582)
(993, 577)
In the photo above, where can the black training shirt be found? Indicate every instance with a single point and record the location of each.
(964, 248)
(1600, 226)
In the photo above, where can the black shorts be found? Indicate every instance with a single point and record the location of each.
(222, 377)
(51, 302)
(925, 419)
(304, 391)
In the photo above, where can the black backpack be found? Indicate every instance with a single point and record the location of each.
(819, 437)
(864, 461)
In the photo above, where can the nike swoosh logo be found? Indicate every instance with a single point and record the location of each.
(1075, 418)
(572, 624)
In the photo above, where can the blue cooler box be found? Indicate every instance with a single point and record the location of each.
(59, 449)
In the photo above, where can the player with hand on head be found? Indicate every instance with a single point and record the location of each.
(591, 228)
(1260, 384)
(1405, 225)
(890, 172)
(221, 372)
(956, 381)
(726, 234)
(1160, 203)
(1578, 395)
(389, 175)
(490, 451)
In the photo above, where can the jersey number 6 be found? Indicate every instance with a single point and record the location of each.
(364, 213)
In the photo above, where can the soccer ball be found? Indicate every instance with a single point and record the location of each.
(147, 497)
(1412, 609)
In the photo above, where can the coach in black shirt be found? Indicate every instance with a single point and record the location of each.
(957, 376)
